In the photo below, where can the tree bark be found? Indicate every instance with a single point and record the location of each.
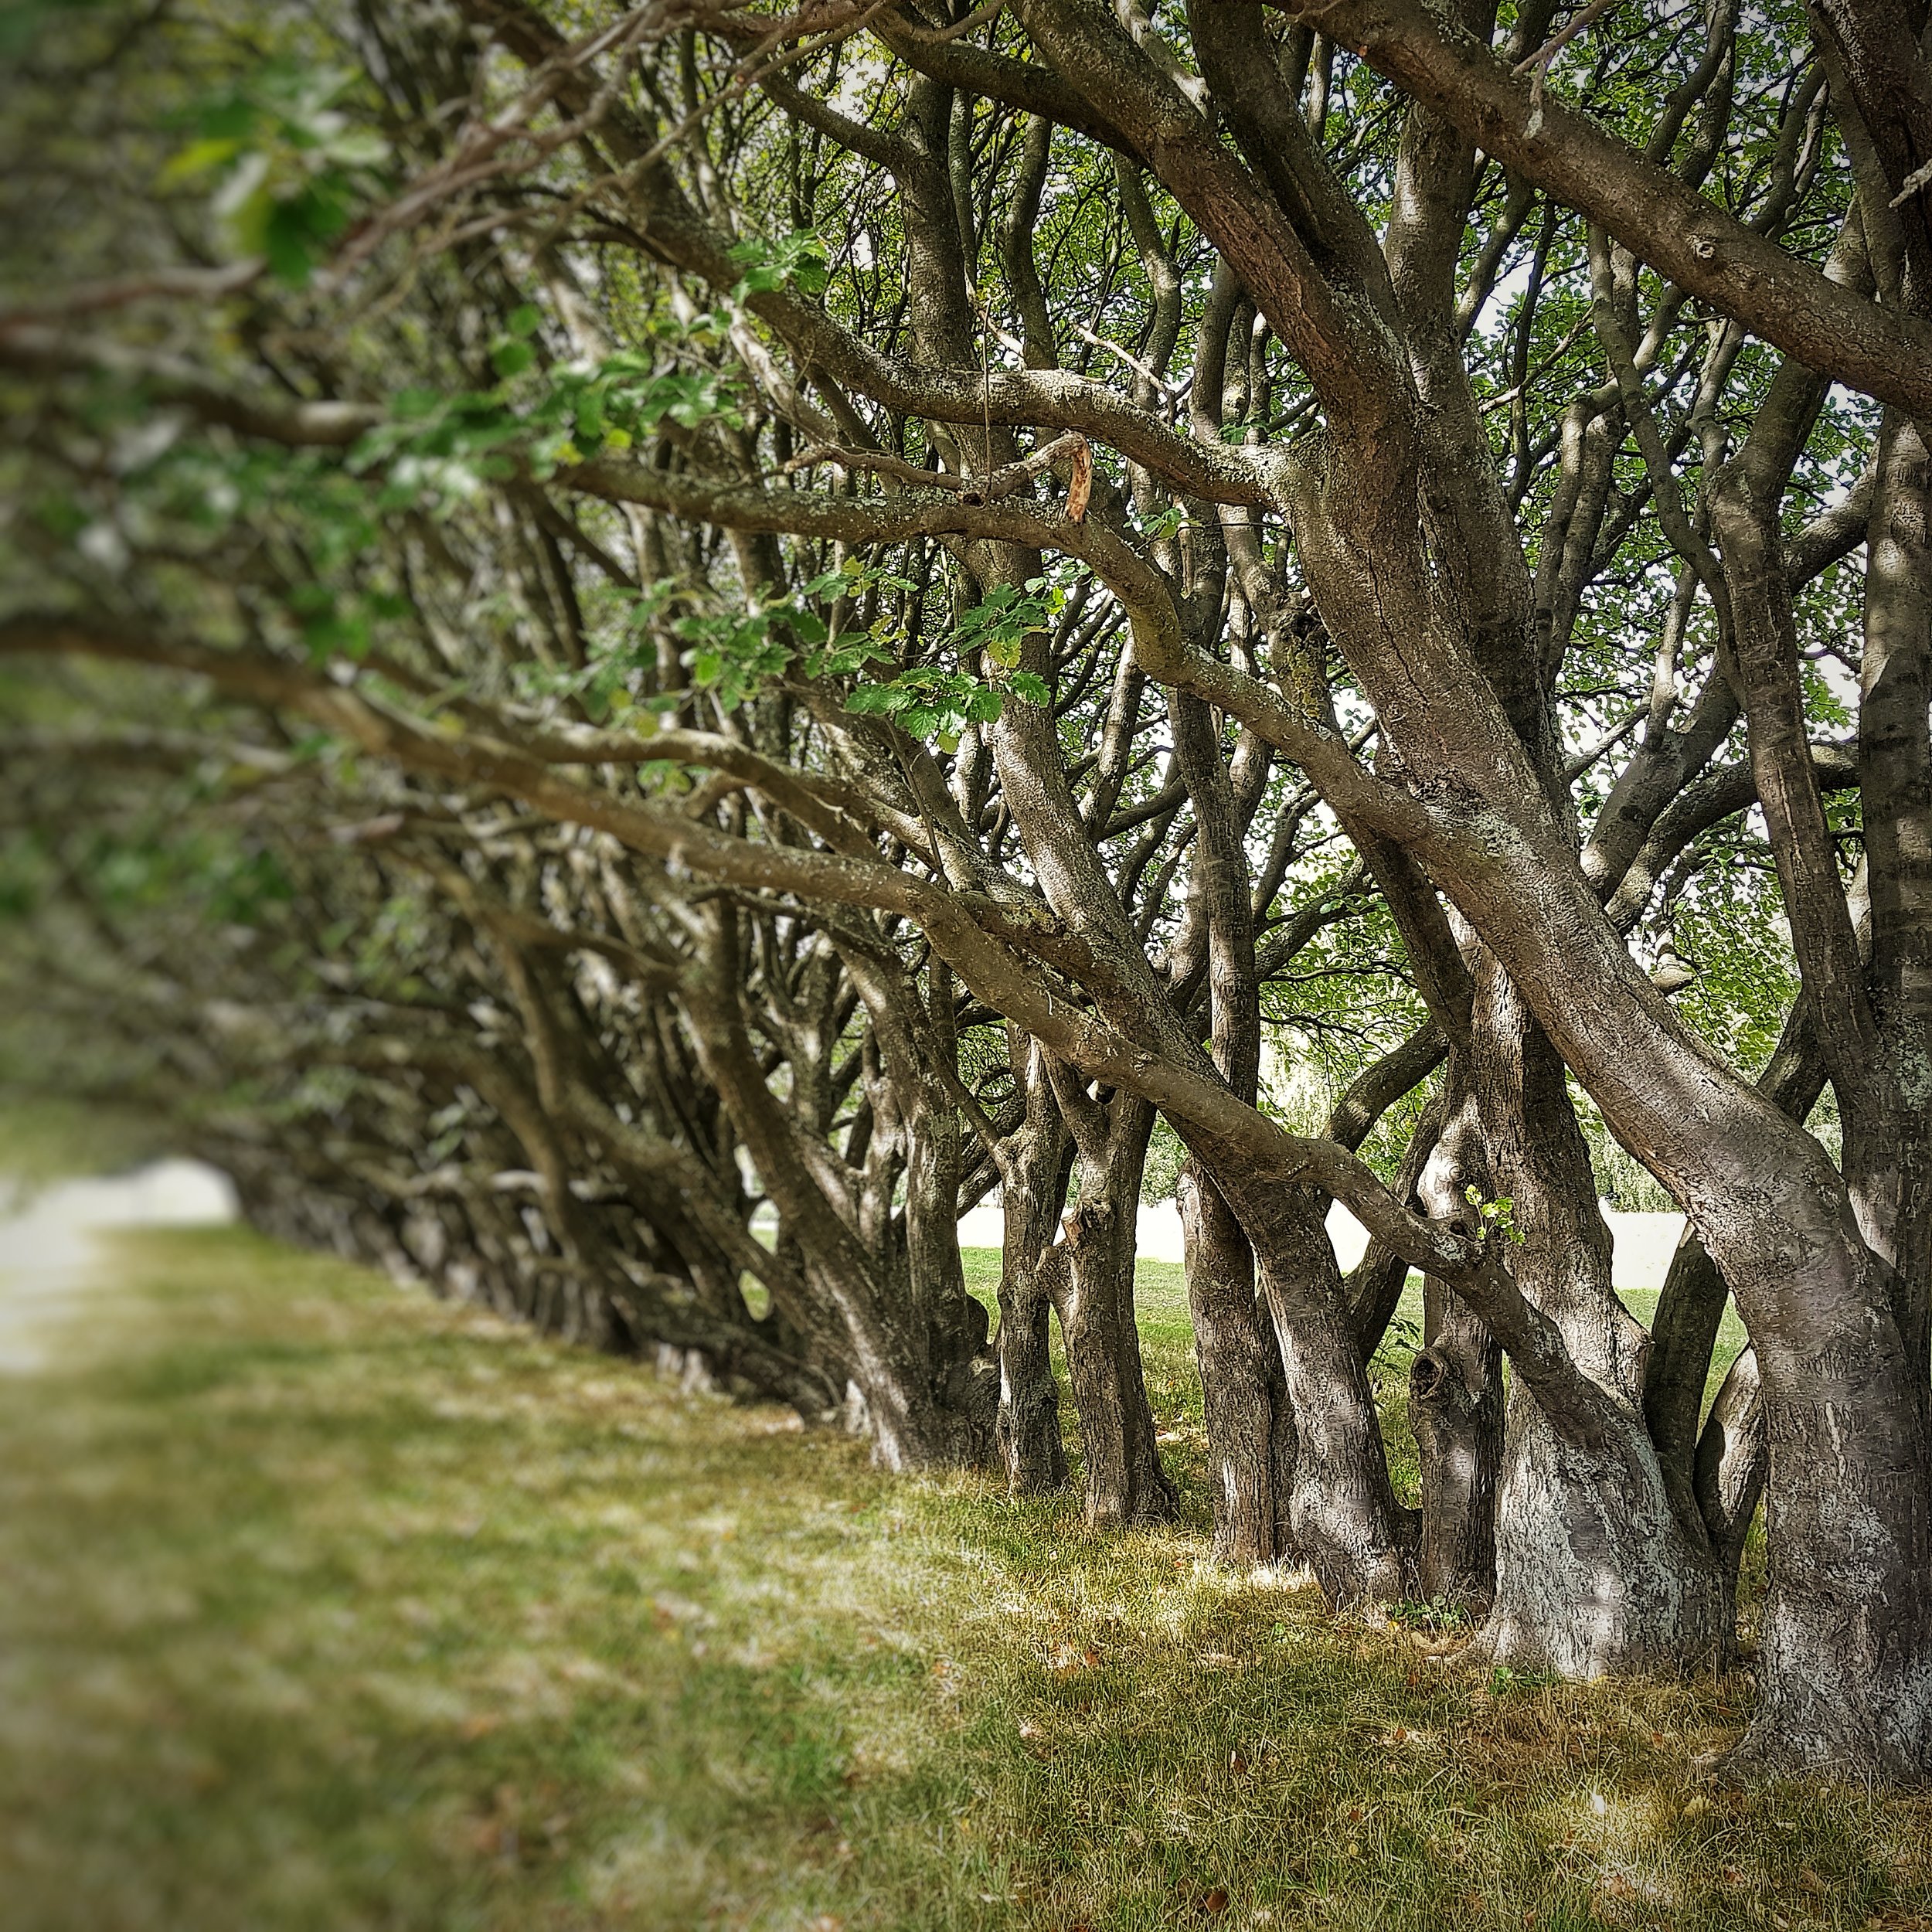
(1342, 1518)
(1728, 1475)
(1691, 1308)
(1595, 1571)
(1094, 1291)
(1456, 1409)
(1456, 1384)
(1250, 1430)
(1033, 1186)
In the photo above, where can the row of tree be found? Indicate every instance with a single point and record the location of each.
(614, 619)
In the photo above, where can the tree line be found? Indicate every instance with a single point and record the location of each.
(617, 619)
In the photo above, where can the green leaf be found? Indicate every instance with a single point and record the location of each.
(511, 358)
(287, 241)
(878, 700)
(199, 157)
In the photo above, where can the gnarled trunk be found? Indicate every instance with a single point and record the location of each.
(1033, 1186)
(1250, 1430)
(1729, 1474)
(1093, 1292)
(1456, 1409)
(1456, 1383)
(1595, 1570)
(922, 1385)
(1341, 1516)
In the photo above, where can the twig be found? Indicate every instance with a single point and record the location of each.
(1557, 41)
(484, 156)
(1002, 483)
(1537, 65)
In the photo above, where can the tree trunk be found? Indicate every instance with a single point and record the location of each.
(1250, 1430)
(1595, 1571)
(1456, 1382)
(1456, 1409)
(1033, 1187)
(1690, 1309)
(1728, 1476)
(1094, 1294)
(1840, 1330)
(921, 1387)
(1888, 1161)
(1341, 1514)
(1027, 1430)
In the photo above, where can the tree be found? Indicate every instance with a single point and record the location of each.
(896, 582)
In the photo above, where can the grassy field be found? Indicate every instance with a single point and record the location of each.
(324, 1605)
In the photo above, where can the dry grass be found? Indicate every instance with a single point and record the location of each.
(325, 1606)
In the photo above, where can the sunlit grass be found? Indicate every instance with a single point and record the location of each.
(324, 1605)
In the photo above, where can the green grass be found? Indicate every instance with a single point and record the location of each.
(324, 1605)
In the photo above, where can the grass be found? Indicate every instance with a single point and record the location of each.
(324, 1605)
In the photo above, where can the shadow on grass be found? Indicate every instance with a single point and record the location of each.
(326, 1605)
